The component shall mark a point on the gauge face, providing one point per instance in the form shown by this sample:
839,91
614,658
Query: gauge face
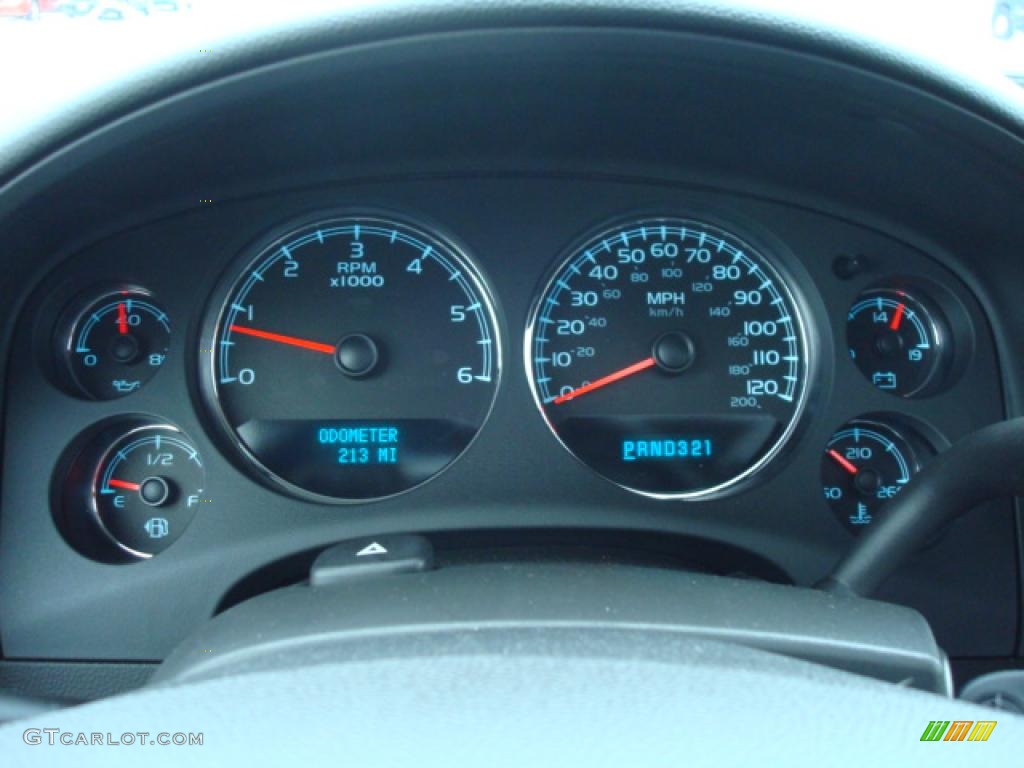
669,356
116,344
354,358
866,463
896,341
147,484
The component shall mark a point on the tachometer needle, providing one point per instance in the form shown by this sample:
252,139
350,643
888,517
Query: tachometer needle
842,462
123,485
897,317
122,318
604,381
327,349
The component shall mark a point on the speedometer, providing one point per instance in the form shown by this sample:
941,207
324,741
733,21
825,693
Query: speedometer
670,356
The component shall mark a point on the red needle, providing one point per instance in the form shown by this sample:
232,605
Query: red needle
125,485
611,378
122,318
842,462
327,349
896,318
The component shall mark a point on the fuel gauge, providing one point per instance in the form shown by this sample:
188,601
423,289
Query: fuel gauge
134,488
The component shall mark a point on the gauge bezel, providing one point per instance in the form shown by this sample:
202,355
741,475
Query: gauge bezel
256,250
777,265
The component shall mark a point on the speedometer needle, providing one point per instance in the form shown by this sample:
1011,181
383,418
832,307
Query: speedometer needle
604,381
843,462
327,349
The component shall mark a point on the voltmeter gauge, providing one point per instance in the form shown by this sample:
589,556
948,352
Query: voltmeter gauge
866,463
135,487
112,344
898,340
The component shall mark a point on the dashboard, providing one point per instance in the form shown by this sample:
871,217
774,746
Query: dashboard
261,410
716,325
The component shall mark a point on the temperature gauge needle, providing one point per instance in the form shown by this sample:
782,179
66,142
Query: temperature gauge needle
327,349
122,319
842,462
123,485
604,381
897,317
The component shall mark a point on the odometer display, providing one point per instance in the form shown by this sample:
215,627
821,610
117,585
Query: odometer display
669,356
353,358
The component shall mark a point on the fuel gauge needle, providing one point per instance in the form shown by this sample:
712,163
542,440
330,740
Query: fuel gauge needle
124,485
842,462
604,381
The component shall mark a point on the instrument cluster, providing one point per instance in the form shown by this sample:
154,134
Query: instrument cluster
199,397
349,356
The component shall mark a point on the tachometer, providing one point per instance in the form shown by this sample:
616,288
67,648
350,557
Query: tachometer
670,356
353,358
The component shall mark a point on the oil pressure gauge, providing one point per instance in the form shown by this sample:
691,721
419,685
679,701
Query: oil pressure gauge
113,343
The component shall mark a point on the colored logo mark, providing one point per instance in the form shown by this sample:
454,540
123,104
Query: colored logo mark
958,730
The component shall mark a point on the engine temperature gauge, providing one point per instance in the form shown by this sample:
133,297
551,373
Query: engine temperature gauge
866,463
